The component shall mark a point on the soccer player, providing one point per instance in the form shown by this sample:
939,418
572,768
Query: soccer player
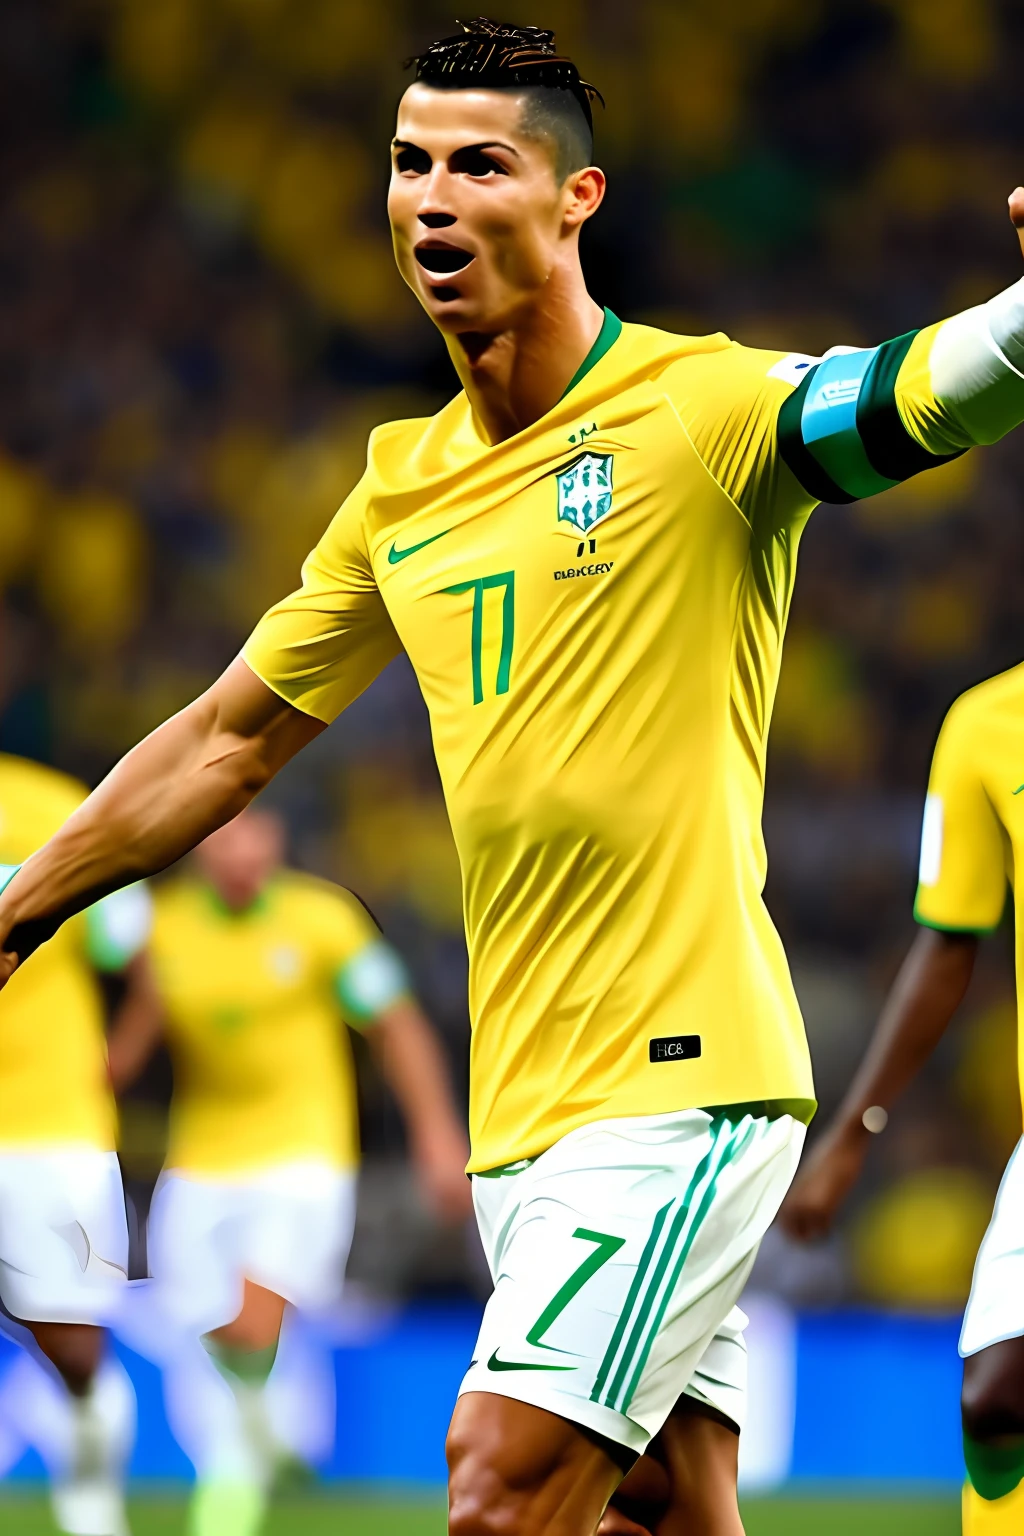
972,844
588,556
255,967
63,1233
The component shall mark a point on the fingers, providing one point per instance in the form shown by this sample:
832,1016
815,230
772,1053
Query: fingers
1016,205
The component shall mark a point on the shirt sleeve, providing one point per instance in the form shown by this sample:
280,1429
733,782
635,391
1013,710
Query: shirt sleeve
324,644
372,980
865,419
962,878
118,927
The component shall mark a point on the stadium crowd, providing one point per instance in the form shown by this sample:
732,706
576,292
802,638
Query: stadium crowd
200,318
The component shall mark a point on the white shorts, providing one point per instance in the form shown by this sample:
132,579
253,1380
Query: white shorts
995,1310
618,1256
287,1228
63,1234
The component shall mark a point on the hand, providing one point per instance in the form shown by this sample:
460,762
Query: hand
823,1183
1017,214
440,1160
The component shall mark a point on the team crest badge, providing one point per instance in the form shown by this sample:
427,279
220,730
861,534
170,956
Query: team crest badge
585,491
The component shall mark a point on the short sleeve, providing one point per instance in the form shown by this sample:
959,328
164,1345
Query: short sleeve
324,644
118,927
372,980
730,403
962,877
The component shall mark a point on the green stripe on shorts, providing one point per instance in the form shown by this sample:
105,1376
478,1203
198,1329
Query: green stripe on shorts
721,1131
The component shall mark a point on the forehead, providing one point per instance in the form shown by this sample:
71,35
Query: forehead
446,120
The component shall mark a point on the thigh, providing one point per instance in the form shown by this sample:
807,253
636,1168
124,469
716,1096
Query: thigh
993,1391
63,1235
518,1468
995,1309
618,1256
194,1231
719,1380
297,1233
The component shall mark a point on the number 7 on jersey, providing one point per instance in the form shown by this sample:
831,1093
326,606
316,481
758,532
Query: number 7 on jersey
482,584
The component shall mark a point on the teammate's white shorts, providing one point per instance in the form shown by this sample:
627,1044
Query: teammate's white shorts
618,1256
63,1233
995,1310
287,1228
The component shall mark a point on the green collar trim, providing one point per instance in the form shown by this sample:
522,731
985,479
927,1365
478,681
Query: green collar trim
235,914
607,336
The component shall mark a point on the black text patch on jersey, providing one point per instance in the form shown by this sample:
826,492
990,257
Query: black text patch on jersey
675,1048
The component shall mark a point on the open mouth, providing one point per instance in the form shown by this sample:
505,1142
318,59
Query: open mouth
441,258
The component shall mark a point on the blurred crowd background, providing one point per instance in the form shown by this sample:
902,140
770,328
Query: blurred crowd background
200,320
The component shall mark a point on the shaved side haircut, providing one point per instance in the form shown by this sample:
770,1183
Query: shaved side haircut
494,56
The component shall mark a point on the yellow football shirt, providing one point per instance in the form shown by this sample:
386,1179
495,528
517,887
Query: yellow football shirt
254,1004
972,840
53,1076
595,611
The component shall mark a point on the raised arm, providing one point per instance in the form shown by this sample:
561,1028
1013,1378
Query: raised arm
184,780
924,997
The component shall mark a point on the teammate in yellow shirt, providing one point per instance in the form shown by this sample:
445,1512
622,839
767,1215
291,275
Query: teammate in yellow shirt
256,967
63,1233
972,847
588,556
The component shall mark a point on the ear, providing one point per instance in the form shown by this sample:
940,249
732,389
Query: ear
584,193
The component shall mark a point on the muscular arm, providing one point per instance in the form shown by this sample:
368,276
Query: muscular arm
187,778
412,1063
925,995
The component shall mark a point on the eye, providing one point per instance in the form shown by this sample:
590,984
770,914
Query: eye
410,161
478,163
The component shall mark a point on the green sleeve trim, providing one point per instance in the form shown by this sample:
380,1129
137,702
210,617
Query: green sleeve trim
370,982
892,451
975,928
7,874
607,336
118,927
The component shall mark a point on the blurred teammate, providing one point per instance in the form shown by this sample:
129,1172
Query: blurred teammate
255,967
588,556
971,845
63,1233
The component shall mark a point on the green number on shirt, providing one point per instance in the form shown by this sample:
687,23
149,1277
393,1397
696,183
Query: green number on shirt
482,584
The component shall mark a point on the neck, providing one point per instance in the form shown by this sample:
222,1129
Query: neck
514,376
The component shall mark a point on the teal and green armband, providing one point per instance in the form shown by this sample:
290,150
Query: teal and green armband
841,433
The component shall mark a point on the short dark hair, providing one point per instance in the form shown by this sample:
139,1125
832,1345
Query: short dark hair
495,55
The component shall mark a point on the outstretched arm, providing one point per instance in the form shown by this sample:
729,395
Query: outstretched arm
924,997
187,778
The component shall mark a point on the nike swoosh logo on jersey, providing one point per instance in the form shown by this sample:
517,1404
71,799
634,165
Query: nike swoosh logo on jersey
494,1364
1016,792
395,554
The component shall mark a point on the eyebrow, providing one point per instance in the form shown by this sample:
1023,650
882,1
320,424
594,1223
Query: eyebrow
487,144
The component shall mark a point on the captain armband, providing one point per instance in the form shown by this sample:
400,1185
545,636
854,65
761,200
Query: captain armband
841,433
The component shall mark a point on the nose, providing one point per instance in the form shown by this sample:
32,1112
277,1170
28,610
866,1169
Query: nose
436,220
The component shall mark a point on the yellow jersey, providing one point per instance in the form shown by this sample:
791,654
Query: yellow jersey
595,609
255,1003
53,1070
972,839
